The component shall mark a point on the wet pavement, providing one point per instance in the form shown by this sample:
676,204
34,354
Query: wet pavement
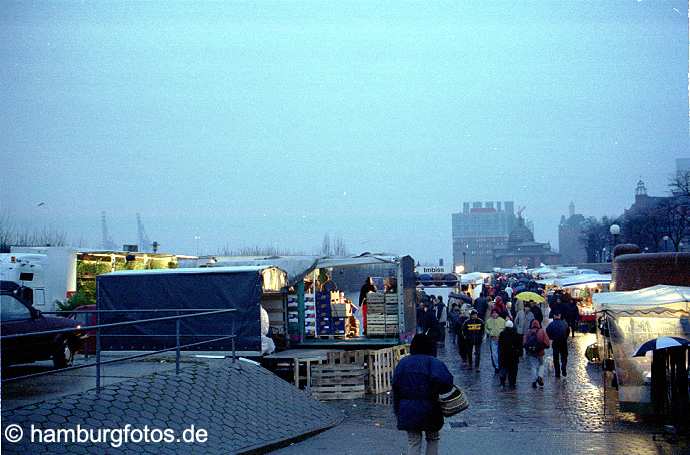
575,414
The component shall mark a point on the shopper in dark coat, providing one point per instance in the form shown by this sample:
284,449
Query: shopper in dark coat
473,331
572,315
538,315
509,352
481,305
557,331
417,382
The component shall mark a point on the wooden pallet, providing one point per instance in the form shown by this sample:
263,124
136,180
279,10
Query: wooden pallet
338,382
382,363
358,357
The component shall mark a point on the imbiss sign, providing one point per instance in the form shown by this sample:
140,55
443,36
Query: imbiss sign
428,269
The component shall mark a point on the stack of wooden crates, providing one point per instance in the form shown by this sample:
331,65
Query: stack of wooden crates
351,374
382,314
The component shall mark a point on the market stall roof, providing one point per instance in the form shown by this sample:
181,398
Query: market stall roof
578,280
660,297
274,278
473,277
297,267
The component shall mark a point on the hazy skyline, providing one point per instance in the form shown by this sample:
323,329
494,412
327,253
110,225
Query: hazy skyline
272,123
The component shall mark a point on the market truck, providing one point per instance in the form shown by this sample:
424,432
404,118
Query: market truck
48,274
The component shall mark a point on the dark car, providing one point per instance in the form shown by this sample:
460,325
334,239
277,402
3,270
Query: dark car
17,315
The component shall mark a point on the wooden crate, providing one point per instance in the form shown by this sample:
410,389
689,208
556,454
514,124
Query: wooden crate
338,382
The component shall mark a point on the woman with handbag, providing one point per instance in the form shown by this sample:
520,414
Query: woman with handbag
417,382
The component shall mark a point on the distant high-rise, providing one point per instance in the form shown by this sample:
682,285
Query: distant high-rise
478,230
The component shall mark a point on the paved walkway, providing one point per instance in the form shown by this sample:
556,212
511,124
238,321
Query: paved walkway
240,406
572,415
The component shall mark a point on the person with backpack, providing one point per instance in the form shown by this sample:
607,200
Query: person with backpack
509,352
558,332
535,341
418,380
473,329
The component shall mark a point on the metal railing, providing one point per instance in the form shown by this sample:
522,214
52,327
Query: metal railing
98,327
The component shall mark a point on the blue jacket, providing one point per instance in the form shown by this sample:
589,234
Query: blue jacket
417,382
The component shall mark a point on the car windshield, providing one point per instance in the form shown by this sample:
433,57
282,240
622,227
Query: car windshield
12,309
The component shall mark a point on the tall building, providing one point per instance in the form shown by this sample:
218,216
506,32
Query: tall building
570,231
478,230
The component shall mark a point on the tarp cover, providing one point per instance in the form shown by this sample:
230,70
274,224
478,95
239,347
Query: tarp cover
199,288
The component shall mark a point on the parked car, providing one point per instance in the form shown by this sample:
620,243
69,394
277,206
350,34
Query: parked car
17,315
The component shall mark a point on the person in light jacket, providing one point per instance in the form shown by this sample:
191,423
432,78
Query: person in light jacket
417,382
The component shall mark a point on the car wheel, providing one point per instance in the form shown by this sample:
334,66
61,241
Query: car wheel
64,354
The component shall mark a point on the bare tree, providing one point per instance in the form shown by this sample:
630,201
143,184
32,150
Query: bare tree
680,184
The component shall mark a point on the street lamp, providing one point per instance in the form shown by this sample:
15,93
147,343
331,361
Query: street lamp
665,239
459,269
615,231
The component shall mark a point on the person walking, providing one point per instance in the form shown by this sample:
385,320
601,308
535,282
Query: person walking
442,318
572,315
453,319
536,311
418,380
429,322
473,330
462,341
509,352
535,341
494,327
558,332
481,305
529,317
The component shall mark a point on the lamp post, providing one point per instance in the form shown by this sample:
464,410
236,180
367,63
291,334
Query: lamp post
615,231
665,239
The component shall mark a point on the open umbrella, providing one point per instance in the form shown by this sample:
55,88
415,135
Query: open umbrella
533,296
660,343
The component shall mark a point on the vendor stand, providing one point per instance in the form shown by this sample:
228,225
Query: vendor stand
629,319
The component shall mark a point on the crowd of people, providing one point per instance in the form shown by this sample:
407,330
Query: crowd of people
514,328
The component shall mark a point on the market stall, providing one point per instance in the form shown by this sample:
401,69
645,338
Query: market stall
322,305
632,318
582,287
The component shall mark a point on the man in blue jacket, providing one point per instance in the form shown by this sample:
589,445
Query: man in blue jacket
417,382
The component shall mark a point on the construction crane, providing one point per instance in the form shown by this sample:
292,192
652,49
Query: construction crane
108,244
144,242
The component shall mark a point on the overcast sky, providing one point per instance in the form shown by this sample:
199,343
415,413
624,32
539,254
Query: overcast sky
272,123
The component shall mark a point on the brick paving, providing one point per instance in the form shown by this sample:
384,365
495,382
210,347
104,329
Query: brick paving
241,406
572,415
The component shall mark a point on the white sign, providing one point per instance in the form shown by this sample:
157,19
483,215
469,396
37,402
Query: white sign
426,269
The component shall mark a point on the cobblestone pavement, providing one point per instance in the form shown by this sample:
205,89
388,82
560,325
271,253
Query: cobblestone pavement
241,406
573,415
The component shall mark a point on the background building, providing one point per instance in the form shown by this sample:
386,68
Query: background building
522,250
478,230
570,234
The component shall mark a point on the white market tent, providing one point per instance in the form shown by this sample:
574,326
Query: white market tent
653,299
474,277
583,280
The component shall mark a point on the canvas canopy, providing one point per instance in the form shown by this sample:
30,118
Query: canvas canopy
583,279
298,267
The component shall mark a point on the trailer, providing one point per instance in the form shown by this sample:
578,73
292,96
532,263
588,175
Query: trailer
48,274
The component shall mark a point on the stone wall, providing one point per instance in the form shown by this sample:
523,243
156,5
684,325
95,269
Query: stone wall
637,271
